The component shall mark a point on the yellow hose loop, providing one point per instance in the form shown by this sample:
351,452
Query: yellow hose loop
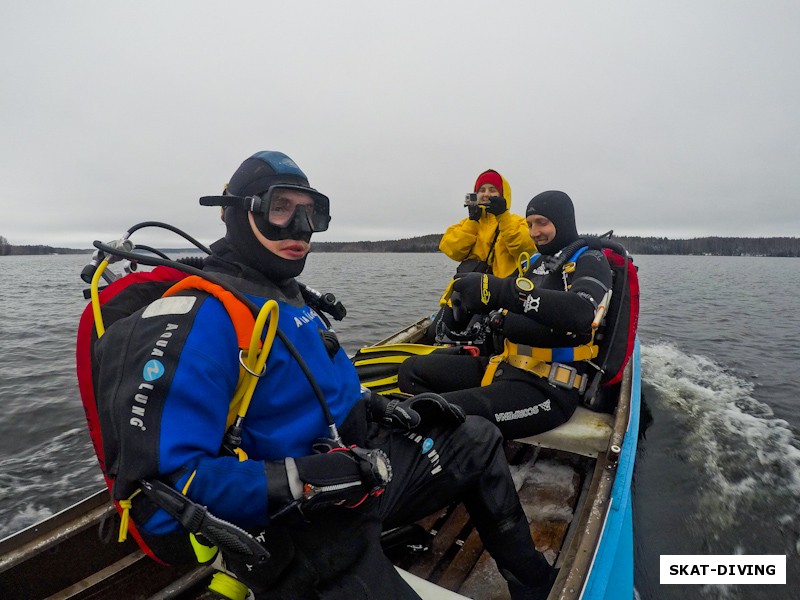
268,312
522,263
256,359
98,316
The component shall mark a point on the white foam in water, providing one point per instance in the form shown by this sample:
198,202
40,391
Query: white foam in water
25,516
743,448
28,481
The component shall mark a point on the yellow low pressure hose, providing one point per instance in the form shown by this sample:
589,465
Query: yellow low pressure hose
523,261
255,361
94,288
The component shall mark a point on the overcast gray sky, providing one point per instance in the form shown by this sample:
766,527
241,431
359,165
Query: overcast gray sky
676,118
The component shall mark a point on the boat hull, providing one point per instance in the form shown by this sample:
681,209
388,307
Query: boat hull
589,536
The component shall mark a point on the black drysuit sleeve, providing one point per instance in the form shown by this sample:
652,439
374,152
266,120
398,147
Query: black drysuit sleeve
543,316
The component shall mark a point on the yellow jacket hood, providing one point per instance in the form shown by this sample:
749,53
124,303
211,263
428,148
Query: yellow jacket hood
470,239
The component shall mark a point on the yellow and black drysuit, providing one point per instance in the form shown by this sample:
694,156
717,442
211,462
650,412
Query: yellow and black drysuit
534,384
496,239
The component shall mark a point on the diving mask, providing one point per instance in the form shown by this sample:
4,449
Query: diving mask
286,211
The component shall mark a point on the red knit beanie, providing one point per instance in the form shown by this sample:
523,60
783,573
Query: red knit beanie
492,177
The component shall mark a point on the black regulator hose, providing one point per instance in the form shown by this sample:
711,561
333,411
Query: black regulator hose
171,228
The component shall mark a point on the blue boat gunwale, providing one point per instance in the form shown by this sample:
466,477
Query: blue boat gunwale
611,569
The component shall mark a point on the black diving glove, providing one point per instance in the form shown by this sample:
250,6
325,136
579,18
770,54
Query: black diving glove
423,410
343,477
480,293
497,206
474,212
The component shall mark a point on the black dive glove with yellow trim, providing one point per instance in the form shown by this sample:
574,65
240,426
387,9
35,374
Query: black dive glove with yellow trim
481,293
423,410
342,477
476,293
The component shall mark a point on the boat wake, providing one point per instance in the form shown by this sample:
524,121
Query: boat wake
39,487
751,459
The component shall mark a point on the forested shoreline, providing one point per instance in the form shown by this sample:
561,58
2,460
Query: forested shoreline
711,246
7,249
702,246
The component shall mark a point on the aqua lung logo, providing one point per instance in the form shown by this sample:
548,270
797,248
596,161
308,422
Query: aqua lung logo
138,408
153,370
427,450
163,340
305,318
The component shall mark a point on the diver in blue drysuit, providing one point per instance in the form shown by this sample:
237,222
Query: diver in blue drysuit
174,365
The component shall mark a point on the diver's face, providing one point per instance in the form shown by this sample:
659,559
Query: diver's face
542,229
284,208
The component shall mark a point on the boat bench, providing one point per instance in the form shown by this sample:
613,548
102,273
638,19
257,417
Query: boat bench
586,433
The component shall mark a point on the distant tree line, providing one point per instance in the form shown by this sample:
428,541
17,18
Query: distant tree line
713,246
7,249
423,243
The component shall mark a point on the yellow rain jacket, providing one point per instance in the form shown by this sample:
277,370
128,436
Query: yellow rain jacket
472,239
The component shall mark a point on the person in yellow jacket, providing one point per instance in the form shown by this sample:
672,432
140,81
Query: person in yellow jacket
490,236
490,240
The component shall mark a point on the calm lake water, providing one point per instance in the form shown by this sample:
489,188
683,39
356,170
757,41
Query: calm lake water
718,470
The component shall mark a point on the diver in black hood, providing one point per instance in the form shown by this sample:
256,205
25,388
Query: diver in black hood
320,466
551,219
544,316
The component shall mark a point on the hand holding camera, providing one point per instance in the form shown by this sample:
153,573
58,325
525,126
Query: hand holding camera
474,206
495,205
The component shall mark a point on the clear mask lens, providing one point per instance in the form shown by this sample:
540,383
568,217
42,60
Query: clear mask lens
284,204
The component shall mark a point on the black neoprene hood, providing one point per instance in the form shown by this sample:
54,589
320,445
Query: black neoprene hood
262,170
556,206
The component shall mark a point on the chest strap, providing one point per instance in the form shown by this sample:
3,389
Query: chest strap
566,354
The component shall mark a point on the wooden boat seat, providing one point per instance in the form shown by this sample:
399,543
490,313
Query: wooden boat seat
586,433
